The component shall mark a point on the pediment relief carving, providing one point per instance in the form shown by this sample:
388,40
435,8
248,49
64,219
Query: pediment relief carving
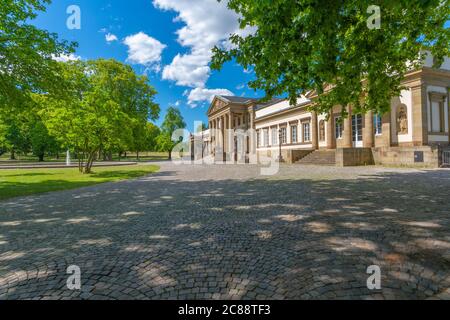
218,104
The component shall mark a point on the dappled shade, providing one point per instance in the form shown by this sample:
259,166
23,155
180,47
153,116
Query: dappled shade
307,233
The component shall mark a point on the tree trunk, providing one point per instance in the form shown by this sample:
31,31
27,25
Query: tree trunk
13,155
137,155
41,157
89,163
170,155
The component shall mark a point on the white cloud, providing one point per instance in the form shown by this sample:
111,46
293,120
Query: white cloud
144,50
66,58
207,23
201,95
188,70
111,37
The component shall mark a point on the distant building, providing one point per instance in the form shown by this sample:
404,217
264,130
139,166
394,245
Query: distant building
414,132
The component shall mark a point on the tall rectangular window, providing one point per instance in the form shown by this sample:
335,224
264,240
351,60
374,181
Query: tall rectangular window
258,138
283,136
266,137
378,124
437,112
294,134
339,127
437,117
274,136
307,132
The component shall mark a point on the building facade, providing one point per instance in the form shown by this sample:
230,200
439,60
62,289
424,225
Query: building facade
414,132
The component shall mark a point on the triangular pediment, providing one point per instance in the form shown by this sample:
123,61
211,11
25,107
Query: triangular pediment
217,104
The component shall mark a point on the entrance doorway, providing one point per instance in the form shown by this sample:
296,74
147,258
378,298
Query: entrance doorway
357,132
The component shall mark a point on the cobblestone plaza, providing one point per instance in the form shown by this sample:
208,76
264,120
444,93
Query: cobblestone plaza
226,232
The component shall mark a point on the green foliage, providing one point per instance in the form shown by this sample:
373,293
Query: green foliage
144,138
303,45
14,135
41,141
172,122
106,102
151,134
26,54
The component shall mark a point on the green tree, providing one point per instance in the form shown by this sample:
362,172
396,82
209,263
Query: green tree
144,138
41,141
151,134
303,45
27,54
201,127
106,101
14,134
172,122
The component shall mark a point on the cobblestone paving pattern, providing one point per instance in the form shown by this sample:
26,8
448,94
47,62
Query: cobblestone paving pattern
226,232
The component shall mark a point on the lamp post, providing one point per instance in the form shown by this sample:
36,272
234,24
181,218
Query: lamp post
280,140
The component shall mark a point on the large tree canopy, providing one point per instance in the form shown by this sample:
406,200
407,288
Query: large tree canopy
303,45
27,53
107,101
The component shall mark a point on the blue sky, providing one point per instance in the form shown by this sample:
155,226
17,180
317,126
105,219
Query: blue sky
169,40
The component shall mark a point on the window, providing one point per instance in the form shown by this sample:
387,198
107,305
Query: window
274,136
437,111
258,138
294,134
378,125
339,127
283,136
266,137
306,132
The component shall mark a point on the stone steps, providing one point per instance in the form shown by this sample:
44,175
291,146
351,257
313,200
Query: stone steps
320,157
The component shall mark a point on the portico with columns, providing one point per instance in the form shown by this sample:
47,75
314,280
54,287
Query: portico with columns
414,131
228,116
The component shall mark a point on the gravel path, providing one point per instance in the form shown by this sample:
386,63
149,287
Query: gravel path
226,232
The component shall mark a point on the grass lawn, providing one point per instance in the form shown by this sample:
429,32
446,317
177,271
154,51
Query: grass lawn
143,156
19,182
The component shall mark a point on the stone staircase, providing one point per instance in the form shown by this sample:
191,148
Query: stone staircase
320,157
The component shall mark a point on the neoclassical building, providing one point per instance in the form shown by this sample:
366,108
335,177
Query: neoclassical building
415,131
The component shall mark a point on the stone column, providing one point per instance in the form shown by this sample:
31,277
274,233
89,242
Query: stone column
300,136
331,134
288,133
222,136
368,131
419,115
314,131
386,127
252,118
348,138
230,137
252,135
448,113
216,135
211,136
